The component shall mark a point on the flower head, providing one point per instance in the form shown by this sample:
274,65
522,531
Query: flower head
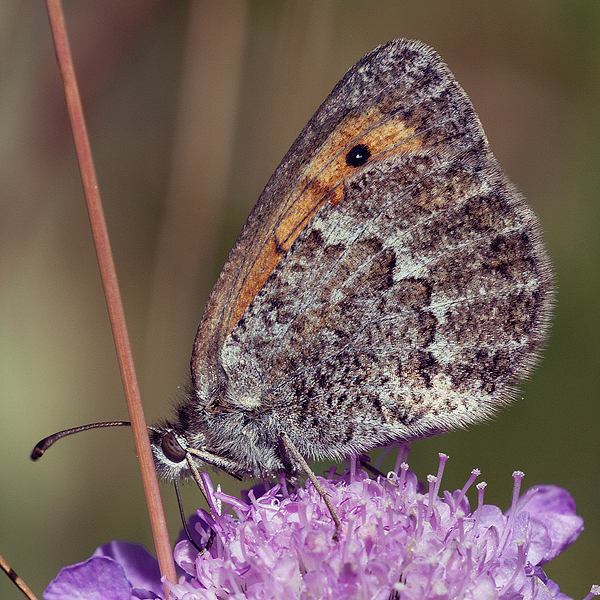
399,540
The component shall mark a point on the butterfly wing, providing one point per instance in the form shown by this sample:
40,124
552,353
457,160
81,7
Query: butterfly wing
390,282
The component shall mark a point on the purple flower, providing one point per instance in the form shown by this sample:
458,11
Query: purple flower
116,571
398,541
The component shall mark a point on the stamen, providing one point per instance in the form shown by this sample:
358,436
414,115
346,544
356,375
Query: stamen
403,451
432,480
460,517
403,470
331,473
239,506
480,491
441,467
518,478
475,473
283,482
210,490
382,456
595,591
419,529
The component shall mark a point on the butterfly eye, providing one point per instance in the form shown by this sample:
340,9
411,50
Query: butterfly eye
172,448
358,155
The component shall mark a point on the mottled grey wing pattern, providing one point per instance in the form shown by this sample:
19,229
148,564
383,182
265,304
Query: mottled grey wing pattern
388,81
412,299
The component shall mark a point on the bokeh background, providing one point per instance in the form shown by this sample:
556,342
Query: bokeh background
191,105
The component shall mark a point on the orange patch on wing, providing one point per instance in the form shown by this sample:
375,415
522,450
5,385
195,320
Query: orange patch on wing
322,181
267,261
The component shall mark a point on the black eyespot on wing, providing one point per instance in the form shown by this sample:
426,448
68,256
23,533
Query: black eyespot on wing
172,448
358,155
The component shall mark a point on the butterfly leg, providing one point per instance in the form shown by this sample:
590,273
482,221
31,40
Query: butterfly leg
196,476
291,448
230,467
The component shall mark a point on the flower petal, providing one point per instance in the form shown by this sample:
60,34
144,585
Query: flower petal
554,508
140,567
98,578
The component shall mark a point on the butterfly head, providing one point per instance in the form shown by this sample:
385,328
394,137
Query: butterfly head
170,450
178,444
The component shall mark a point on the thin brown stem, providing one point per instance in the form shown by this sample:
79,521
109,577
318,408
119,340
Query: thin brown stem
111,288
17,580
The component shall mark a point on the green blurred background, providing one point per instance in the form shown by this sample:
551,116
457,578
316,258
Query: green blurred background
191,105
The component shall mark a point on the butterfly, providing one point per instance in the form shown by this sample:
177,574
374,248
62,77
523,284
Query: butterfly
390,284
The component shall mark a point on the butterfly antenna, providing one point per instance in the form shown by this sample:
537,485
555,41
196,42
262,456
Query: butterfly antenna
44,444
184,523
